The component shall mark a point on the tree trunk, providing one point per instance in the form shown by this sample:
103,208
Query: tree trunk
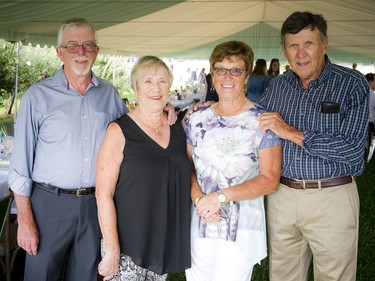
10,104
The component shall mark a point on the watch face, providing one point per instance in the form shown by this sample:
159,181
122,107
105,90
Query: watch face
221,198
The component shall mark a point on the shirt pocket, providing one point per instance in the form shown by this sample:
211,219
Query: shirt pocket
329,123
102,119
104,116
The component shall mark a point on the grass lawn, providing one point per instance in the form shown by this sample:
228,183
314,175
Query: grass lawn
366,248
366,252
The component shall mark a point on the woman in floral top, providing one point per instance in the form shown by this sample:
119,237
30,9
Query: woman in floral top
235,164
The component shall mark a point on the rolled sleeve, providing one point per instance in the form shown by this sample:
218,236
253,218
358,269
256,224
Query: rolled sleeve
19,184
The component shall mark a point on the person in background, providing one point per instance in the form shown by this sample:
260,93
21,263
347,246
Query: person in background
43,76
234,166
143,185
371,81
60,125
211,94
320,110
354,66
274,69
370,77
258,81
202,78
287,68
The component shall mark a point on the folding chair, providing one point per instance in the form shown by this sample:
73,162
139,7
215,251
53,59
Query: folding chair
8,236
5,204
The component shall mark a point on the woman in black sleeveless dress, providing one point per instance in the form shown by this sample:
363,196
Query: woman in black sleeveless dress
143,185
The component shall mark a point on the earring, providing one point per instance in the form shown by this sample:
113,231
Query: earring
212,89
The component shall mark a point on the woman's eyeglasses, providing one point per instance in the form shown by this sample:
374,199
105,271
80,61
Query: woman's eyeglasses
73,48
235,71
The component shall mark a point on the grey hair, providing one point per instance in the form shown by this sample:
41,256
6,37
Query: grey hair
147,62
74,22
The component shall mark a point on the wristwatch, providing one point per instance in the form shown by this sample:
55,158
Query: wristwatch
221,198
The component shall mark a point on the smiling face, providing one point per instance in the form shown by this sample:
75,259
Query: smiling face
372,85
152,88
77,64
275,66
229,86
305,52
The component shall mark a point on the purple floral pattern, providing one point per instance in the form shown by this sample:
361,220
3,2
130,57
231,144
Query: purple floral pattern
225,153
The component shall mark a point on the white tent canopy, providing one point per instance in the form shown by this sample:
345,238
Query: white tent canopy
190,29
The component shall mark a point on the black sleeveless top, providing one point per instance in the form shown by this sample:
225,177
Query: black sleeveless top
152,200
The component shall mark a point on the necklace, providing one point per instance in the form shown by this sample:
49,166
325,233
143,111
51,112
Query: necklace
234,112
155,129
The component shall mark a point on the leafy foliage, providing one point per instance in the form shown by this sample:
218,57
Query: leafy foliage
36,62
116,70
31,61
7,70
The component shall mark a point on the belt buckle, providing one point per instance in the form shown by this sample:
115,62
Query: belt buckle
80,191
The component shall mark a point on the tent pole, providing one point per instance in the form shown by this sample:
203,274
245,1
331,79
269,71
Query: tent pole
16,85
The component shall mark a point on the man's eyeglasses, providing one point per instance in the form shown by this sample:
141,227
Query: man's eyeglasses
73,48
235,71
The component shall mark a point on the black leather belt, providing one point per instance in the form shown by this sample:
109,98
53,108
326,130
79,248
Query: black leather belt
300,184
77,192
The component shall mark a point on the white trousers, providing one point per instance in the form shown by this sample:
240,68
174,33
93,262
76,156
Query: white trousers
217,260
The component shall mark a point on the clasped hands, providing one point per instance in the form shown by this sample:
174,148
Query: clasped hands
208,208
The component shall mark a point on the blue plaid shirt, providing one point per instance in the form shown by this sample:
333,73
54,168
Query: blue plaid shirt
334,142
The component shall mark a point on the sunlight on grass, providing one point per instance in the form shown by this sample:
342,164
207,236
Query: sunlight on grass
366,251
366,248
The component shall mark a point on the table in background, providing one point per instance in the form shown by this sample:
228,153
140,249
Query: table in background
4,168
186,101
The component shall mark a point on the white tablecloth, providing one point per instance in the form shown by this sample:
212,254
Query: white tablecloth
185,101
4,166
3,180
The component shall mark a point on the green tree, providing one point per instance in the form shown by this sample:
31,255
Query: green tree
116,69
34,62
7,71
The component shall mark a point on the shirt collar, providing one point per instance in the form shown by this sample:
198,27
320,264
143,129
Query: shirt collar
324,75
60,79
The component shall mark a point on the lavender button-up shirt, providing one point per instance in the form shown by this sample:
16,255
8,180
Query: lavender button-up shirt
59,131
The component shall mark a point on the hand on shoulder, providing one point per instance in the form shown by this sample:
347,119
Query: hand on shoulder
197,106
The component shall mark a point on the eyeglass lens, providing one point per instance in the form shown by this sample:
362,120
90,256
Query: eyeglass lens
73,48
235,71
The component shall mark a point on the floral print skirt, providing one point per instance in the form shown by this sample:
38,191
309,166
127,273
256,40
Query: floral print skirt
129,271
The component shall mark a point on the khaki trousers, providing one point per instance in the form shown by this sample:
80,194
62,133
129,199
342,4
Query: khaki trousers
314,223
